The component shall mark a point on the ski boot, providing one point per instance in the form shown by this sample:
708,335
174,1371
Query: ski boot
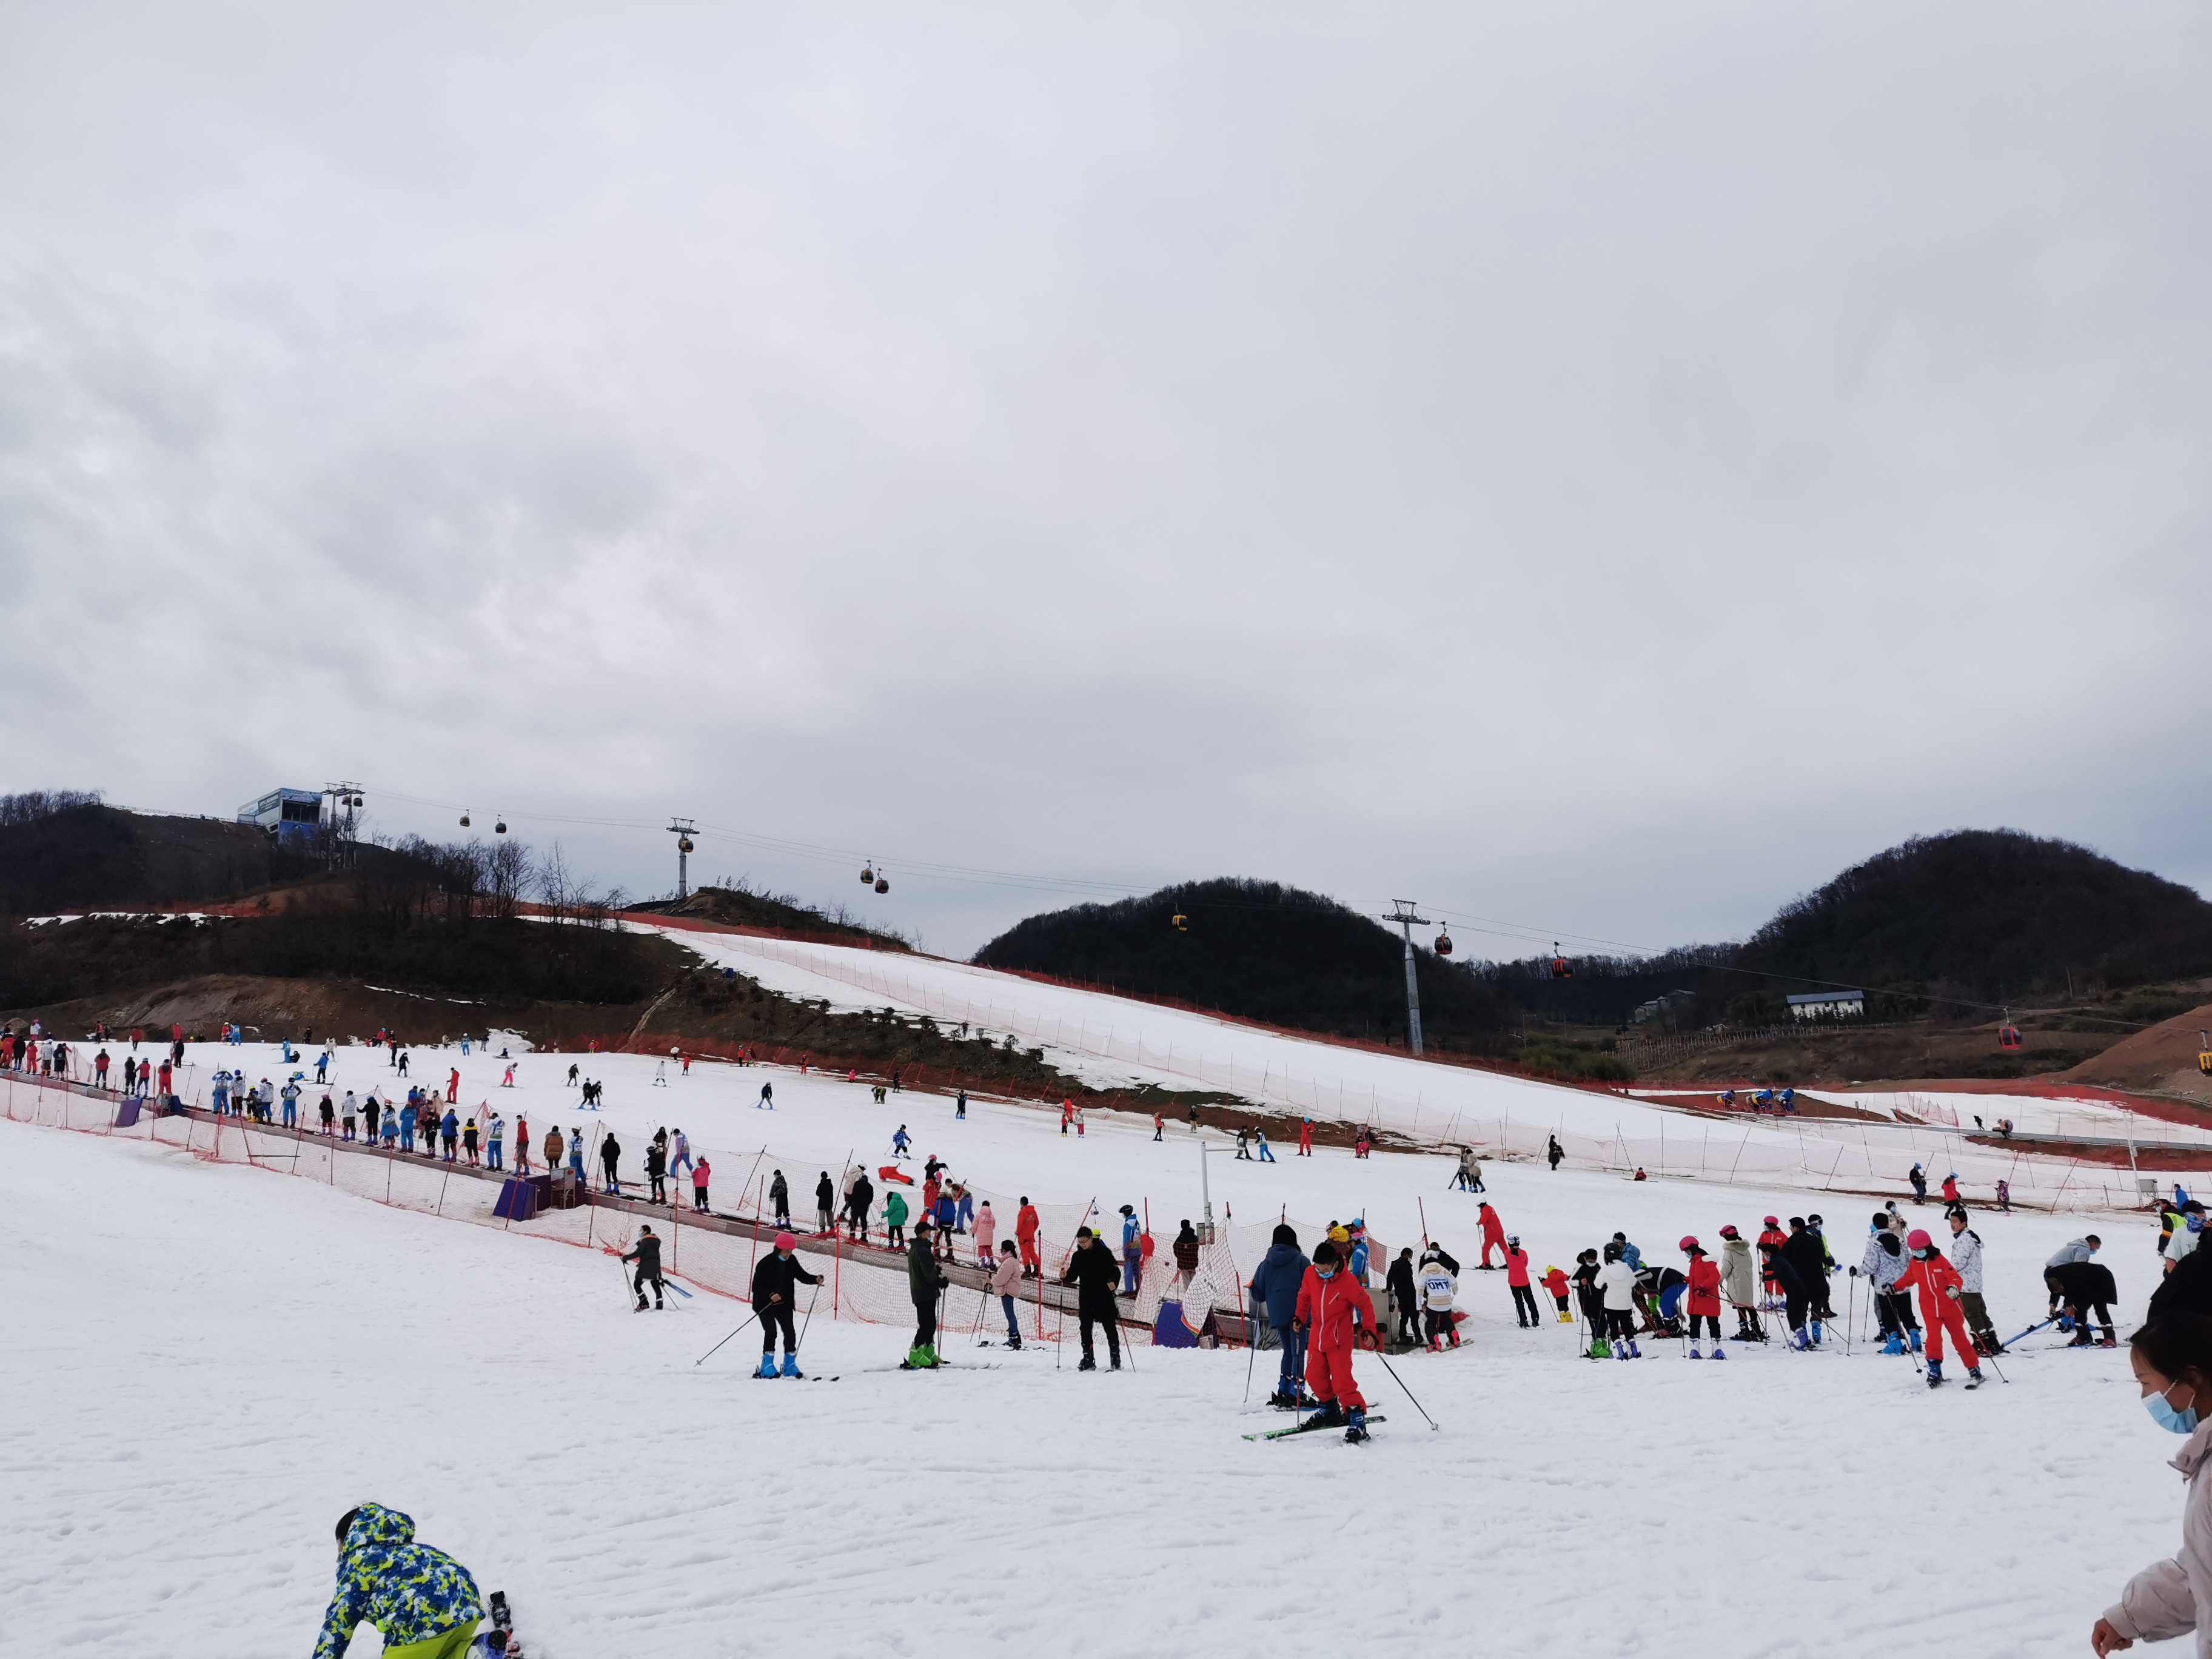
1436,1345
1566,1319
1934,1373
2108,1340
1634,1353
1694,1354
1717,1353
1816,1334
642,1305
2066,1322
1014,1342
1331,1416
790,1366
1974,1377
1894,1344
767,1365
2082,1338
1597,1348
1282,1400
1355,1426
919,1359
1799,1340
1452,1339
1916,1347
1619,1349
1086,1363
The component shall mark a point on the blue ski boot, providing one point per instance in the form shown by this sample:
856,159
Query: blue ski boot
767,1365
1816,1332
790,1366
1934,1373
1916,1342
1355,1426
1694,1354
1895,1344
1717,1353
1634,1353
1799,1340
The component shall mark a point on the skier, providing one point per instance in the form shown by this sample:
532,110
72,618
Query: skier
1950,1189
449,1132
1966,1258
453,1087
1883,1264
1796,1304
1937,1281
1131,1228
2087,1285
1159,1127
469,1141
1259,1139
610,1154
1493,1234
1026,1231
495,1142
1404,1300
1740,1283
1802,1251
646,1253
779,1195
776,1283
424,1601
1337,1316
1703,1297
900,1142
681,1160
857,1203
1005,1278
1616,1281
700,1173
987,1233
925,1281
1092,1271
825,1199
1517,1280
895,1221
1552,1153
1439,1290
656,1170
1305,1137
576,1153
406,1121
1469,1178
1918,1177
2077,1249
1274,1291
1770,1234
1555,1282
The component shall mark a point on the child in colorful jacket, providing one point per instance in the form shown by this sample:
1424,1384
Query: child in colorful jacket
1555,1281
423,1600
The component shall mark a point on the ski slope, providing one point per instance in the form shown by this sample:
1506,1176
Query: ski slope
211,1362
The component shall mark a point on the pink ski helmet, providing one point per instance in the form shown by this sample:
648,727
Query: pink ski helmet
1689,1242
1918,1239
785,1241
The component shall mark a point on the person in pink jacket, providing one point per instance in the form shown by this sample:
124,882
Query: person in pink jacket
986,1230
1005,1279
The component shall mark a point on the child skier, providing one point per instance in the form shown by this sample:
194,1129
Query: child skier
1937,1281
1438,1291
1005,1281
423,1600
1517,1280
1740,1283
1556,1282
1616,1282
700,1172
1337,1316
1703,1299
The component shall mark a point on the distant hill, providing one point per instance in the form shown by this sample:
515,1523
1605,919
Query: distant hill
1991,914
1261,951
742,906
85,856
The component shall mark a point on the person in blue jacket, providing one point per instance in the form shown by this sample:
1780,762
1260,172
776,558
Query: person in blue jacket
423,1600
1359,1250
1132,1251
1275,1284
964,1219
407,1122
449,1131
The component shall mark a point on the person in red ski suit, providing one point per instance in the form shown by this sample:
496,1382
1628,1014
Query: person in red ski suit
1950,1189
1938,1283
1771,1234
453,1089
1493,1233
1305,1138
1702,1299
1025,1231
1336,1314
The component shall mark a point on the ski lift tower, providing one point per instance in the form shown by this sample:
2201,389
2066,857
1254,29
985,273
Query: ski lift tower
682,829
1405,915
344,798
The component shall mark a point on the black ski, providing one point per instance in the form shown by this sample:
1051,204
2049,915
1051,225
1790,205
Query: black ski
1318,1422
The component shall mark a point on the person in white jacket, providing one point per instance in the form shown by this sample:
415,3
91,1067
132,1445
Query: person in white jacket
1006,1283
1967,1257
2172,1361
1617,1279
2188,1232
1437,1289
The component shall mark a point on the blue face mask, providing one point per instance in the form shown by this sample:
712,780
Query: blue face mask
1325,1272
2172,1421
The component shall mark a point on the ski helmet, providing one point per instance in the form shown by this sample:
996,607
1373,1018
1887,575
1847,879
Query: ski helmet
1689,1243
1773,1221
1918,1239
785,1241
1730,1233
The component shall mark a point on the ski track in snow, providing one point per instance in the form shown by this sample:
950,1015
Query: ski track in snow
211,1363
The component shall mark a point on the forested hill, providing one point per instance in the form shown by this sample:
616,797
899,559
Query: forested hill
1261,951
1991,914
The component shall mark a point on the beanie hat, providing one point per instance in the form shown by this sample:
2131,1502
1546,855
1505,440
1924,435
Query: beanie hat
1338,1235
785,1241
1286,1234
1324,1253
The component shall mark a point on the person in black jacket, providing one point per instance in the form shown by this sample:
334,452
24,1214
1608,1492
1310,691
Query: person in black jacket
2086,1285
779,1194
1404,1298
610,1155
924,1282
1782,1276
825,1204
1097,1276
656,1170
646,1253
776,1283
857,1204
1803,1252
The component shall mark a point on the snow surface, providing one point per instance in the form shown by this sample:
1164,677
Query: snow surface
211,1363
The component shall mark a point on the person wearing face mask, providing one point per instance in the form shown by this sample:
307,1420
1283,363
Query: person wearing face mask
2173,1361
1937,1281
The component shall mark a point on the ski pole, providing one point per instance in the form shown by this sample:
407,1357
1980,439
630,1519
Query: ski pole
811,1301
1251,1349
717,1348
1400,1382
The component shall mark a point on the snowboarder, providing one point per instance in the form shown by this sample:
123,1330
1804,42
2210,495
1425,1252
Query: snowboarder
776,1283
1337,1316
1275,1289
924,1282
1092,1269
1004,1277
646,1253
424,1601
1937,1281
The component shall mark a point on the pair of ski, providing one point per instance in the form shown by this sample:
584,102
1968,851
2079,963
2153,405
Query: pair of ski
1317,1421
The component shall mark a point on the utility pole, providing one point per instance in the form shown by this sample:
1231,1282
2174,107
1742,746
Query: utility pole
344,798
682,829
1206,1188
1405,915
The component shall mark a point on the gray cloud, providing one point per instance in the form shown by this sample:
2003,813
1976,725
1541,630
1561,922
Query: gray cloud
1606,470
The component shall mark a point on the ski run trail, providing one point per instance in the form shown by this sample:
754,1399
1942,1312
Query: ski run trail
208,1363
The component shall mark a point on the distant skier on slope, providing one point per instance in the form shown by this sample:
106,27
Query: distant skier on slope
1493,1235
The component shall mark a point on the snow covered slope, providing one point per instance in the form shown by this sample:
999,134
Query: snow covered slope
208,1364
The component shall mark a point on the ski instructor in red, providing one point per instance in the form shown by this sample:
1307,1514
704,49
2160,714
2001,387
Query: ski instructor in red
1336,1314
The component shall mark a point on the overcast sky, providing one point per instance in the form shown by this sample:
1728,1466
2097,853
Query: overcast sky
1603,467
